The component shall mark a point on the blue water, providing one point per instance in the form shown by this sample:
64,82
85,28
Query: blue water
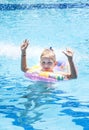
26,105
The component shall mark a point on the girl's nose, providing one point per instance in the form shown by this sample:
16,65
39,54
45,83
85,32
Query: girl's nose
46,65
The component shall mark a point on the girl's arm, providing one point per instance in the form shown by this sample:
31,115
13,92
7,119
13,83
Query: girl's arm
73,73
24,46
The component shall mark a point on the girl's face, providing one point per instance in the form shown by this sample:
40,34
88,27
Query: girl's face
47,64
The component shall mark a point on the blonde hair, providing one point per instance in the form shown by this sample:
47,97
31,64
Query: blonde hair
48,53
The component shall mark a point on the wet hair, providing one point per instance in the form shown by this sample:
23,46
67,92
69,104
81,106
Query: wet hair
48,53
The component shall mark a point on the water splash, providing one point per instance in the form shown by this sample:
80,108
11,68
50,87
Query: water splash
13,51
9,50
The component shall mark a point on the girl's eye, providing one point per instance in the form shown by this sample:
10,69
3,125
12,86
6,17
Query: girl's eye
43,62
50,63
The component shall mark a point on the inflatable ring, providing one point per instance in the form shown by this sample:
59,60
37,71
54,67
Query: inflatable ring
34,74
44,76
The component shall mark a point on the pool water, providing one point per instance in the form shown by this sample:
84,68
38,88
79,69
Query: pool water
28,105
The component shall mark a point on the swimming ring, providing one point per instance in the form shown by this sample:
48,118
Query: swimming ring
44,76
36,75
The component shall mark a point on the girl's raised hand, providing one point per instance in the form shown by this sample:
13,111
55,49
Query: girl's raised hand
69,53
24,45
